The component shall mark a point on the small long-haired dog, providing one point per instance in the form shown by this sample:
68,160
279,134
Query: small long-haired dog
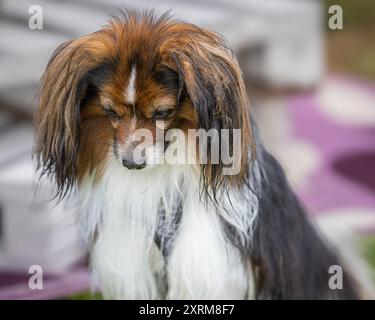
183,230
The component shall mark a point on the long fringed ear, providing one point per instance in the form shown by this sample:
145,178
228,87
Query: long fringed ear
213,82
56,122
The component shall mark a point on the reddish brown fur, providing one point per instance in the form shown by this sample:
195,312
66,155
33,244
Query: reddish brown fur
70,141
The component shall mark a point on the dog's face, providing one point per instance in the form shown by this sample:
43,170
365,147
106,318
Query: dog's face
138,73
133,99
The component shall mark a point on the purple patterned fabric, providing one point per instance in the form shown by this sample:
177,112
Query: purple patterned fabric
346,176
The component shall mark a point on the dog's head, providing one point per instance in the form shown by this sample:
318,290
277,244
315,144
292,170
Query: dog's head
100,90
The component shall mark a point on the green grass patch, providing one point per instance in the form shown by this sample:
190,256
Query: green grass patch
86,296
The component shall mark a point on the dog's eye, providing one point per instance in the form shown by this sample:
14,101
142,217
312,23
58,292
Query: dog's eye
111,113
162,114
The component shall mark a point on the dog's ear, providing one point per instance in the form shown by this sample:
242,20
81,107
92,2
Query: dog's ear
213,81
71,69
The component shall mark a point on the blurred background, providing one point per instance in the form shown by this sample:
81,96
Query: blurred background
312,91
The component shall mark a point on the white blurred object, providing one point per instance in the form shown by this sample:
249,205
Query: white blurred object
299,158
33,230
346,103
289,38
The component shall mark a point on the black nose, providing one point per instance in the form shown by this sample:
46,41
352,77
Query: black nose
131,165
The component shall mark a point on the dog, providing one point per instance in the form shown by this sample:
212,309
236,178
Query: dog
183,230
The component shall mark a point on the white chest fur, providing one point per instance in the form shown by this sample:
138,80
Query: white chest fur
121,210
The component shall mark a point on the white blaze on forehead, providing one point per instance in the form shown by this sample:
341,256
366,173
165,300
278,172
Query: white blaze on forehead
130,89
